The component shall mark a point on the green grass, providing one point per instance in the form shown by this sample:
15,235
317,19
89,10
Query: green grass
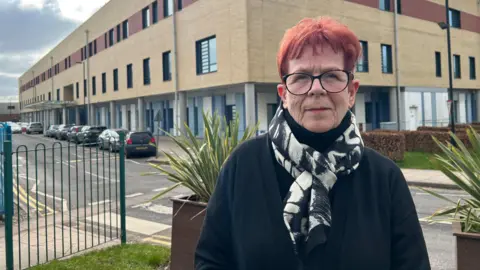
417,160
131,257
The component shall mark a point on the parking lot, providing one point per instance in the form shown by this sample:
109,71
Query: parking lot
53,177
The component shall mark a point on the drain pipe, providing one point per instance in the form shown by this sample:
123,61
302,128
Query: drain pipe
177,109
397,73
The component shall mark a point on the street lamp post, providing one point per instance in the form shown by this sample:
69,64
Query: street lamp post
446,25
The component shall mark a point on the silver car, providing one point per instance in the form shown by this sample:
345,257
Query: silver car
35,127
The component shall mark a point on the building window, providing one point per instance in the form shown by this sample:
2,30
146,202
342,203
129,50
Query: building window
438,64
146,71
145,17
95,46
49,96
206,52
387,66
473,72
384,5
58,94
399,6
362,64
125,29
104,82
77,92
90,49
155,12
111,39
115,79
454,18
180,4
94,85
167,64
129,76
106,40
84,88
167,8
65,62
457,70
119,37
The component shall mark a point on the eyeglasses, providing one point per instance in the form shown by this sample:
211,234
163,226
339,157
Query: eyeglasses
333,81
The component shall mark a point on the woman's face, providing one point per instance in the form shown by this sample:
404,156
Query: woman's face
318,110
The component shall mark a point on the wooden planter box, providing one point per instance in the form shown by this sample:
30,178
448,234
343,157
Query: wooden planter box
468,247
187,222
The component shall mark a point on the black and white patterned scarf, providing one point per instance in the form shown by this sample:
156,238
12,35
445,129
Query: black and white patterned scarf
307,212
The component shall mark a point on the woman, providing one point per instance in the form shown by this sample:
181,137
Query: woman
309,194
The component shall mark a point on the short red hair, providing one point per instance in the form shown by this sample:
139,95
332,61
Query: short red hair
322,31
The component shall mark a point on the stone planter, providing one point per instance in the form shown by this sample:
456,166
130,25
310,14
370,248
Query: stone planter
468,247
187,222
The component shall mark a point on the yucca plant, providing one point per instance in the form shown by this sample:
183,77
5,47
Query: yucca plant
462,166
198,167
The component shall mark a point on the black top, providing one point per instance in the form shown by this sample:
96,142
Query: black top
374,221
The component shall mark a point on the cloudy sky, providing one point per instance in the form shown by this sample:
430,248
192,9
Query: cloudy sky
24,39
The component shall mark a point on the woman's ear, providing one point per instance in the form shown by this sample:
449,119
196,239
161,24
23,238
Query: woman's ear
282,93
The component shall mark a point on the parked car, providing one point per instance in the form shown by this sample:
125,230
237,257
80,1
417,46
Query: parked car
62,132
35,127
89,134
50,132
109,139
72,134
140,142
15,128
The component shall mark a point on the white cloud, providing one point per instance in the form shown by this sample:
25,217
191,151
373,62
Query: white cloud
78,11
31,4
9,75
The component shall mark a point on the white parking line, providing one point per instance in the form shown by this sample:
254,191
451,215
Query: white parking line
100,202
159,189
134,195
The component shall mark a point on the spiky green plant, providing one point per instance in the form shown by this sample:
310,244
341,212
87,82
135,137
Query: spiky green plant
462,166
198,167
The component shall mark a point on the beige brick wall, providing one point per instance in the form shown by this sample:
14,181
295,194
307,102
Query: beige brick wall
418,40
248,35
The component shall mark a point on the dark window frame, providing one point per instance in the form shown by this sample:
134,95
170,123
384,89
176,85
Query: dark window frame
111,37
166,66
145,17
154,12
115,79
119,37
94,85
362,64
104,83
438,64
130,76
473,69
77,92
387,68
147,80
457,66
166,5
454,18
384,5
200,56
125,29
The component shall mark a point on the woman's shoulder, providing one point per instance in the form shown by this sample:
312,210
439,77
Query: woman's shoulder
251,148
379,163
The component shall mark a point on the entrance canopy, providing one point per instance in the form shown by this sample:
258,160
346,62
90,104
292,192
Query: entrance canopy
51,104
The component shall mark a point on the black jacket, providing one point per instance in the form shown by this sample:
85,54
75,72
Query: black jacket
374,221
